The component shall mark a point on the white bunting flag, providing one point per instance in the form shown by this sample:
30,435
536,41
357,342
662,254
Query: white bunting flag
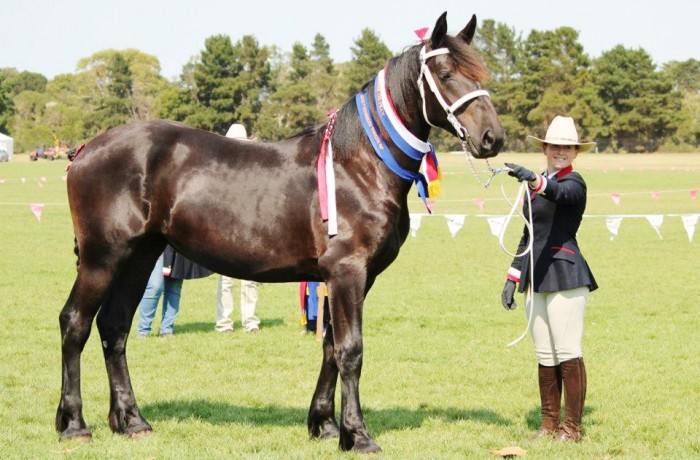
689,222
656,220
455,222
613,224
415,223
496,223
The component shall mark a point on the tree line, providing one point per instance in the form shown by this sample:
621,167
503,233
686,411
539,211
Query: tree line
620,99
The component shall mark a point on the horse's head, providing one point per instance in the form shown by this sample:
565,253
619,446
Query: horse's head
454,99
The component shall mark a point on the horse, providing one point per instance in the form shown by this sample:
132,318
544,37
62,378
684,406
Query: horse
258,210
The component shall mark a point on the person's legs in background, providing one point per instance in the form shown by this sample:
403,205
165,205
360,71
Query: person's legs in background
171,305
224,304
249,299
149,302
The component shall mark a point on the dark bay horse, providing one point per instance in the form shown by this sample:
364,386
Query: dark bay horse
251,210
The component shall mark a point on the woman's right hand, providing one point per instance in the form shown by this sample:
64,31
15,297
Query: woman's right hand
508,294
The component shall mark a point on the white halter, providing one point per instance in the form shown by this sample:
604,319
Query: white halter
449,109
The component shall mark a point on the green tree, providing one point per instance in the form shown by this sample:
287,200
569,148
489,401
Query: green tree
7,107
644,106
553,80
369,54
229,83
685,76
293,106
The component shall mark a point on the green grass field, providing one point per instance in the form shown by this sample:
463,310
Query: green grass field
438,380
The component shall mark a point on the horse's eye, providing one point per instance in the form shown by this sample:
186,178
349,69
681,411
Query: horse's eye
444,75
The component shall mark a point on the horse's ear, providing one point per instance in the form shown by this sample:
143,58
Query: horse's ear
439,31
468,32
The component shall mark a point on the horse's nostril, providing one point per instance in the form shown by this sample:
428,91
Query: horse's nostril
488,139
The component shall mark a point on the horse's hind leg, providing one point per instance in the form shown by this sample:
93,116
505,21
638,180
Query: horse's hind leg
76,321
321,420
113,323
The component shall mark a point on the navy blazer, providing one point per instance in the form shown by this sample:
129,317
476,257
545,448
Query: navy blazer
557,211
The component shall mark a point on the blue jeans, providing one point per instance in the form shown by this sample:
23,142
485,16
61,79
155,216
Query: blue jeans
170,288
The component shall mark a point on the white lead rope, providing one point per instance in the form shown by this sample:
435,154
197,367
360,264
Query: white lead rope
528,250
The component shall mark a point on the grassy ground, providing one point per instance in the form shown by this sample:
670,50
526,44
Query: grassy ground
438,380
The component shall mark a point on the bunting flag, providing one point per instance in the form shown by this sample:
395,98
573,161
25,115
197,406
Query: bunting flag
613,224
415,223
655,195
455,222
694,193
615,197
36,209
496,224
480,203
656,220
689,222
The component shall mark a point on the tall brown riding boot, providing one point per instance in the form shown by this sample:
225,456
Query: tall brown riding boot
550,398
574,375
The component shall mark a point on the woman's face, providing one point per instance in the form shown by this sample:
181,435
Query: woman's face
559,156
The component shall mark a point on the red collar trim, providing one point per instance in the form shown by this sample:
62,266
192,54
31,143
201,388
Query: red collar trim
563,172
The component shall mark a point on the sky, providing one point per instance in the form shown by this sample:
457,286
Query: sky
51,36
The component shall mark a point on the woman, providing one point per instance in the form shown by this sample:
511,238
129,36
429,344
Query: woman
561,279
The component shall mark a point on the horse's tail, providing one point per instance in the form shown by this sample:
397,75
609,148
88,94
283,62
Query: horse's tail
76,251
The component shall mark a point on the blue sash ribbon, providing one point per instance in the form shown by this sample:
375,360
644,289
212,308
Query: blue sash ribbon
382,150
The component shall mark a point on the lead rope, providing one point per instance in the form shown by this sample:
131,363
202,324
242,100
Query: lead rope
527,250
528,224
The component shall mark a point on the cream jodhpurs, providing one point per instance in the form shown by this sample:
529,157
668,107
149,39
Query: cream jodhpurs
224,304
557,324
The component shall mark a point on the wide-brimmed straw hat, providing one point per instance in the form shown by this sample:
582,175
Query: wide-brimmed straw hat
237,131
562,131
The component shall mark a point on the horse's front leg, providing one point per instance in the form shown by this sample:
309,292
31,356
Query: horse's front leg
113,324
346,294
321,420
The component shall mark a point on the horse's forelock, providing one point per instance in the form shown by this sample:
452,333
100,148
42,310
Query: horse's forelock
468,60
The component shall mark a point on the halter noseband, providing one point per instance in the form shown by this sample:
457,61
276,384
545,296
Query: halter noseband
449,109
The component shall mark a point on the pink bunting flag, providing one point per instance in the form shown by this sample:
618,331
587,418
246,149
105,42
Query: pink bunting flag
615,197
694,193
36,209
421,33
656,195
480,203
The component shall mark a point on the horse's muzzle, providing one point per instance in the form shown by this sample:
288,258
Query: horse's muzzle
492,141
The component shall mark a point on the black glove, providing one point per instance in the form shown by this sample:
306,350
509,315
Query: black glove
507,295
522,174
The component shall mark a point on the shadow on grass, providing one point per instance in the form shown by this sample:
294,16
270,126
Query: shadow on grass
198,327
379,421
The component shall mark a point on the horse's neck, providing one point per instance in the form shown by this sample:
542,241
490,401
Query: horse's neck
406,97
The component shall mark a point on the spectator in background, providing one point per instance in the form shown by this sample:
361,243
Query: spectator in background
170,271
224,290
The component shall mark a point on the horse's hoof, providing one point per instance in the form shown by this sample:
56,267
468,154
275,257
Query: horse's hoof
329,432
80,436
367,446
140,434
